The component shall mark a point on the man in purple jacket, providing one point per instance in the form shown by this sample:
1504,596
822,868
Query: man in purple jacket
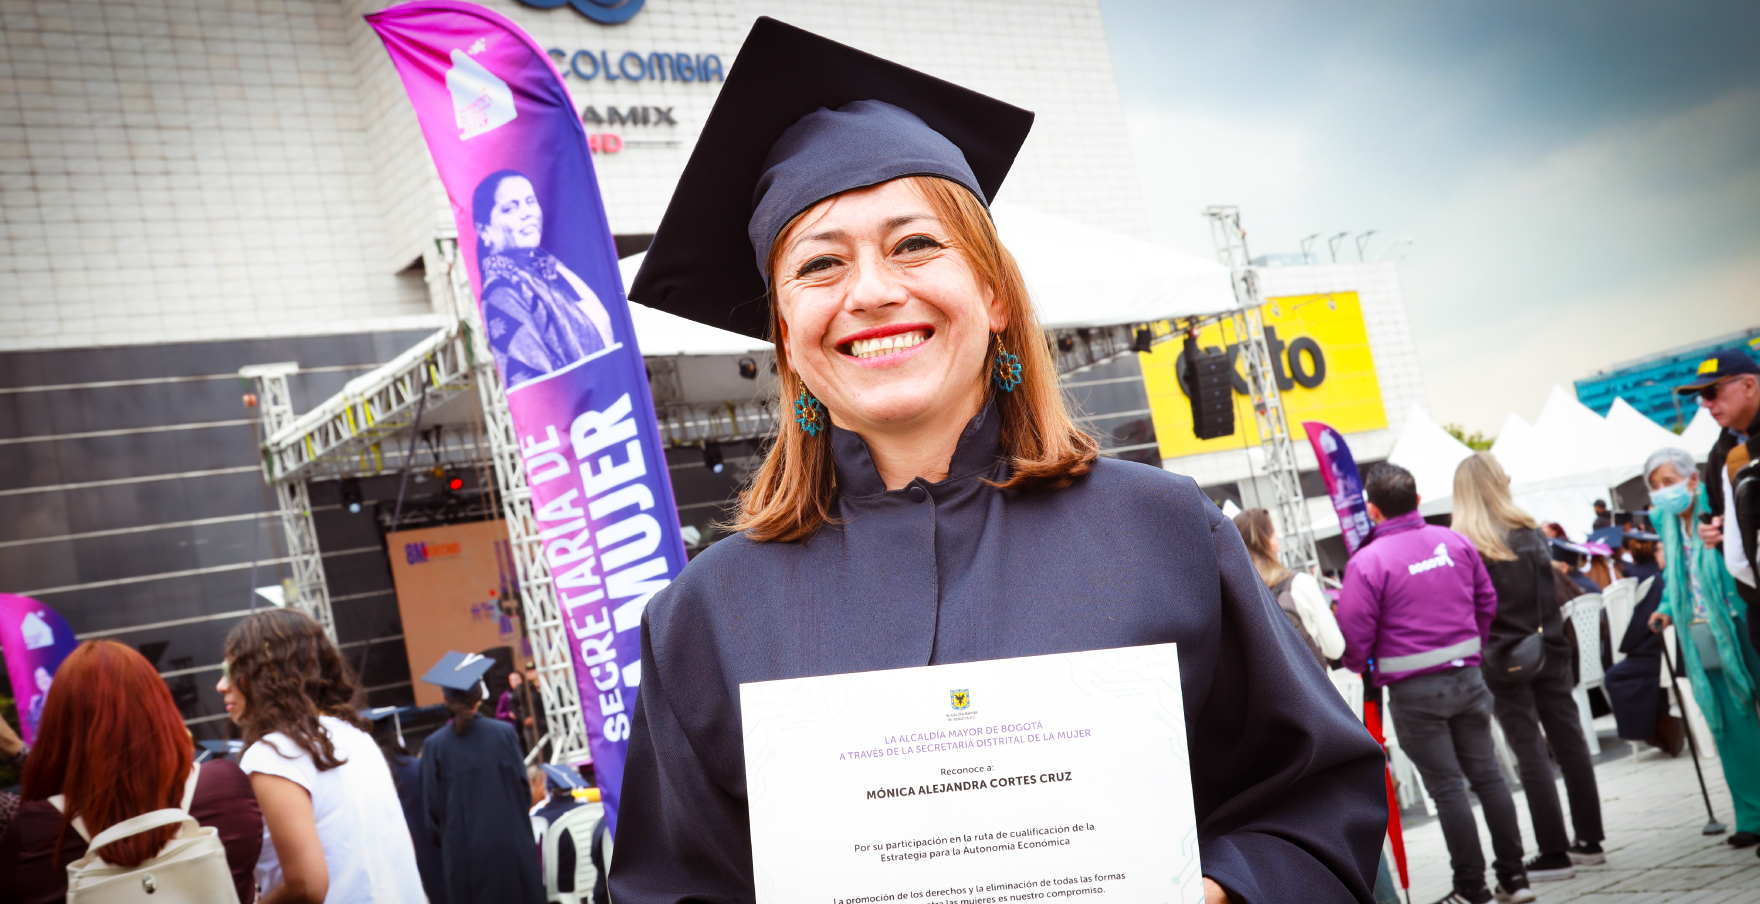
1417,607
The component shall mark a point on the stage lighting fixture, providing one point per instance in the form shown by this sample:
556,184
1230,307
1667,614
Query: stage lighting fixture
712,458
748,368
1145,341
1065,343
456,483
351,494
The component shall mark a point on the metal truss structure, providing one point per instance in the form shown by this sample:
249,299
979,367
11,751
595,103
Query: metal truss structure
346,434
545,628
311,594
1275,441
696,424
358,433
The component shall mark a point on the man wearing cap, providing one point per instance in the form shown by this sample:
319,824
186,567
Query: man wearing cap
1728,386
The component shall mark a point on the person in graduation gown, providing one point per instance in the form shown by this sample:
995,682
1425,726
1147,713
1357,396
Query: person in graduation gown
406,771
931,500
474,790
1634,686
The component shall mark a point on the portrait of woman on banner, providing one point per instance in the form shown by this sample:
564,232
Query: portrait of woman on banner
540,316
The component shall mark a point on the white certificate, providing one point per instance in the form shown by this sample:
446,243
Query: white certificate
1040,778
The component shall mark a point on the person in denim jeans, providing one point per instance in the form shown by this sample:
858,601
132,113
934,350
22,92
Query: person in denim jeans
1417,609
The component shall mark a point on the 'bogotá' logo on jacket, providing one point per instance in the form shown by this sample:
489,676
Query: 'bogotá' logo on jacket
1436,561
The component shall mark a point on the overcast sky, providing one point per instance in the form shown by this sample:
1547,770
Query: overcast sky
1581,180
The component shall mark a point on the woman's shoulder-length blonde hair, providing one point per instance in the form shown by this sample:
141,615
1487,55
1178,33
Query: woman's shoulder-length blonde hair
1483,509
793,493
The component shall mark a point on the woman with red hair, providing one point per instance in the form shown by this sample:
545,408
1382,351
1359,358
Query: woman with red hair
113,746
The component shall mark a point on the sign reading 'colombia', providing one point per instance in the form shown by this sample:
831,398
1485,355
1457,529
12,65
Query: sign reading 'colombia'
631,66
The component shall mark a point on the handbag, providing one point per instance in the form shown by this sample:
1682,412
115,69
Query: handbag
190,867
1522,658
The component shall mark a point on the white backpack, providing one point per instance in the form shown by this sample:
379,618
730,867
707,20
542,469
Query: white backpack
191,866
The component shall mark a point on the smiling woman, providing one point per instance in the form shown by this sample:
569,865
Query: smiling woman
900,296
950,511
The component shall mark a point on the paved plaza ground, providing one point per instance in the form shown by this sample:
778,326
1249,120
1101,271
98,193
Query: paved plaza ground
1655,853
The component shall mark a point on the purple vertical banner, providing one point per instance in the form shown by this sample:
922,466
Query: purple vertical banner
1343,484
34,640
532,231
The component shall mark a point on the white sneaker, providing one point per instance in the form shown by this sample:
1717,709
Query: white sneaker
1519,896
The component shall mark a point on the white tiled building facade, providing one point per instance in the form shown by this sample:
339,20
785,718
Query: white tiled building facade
179,170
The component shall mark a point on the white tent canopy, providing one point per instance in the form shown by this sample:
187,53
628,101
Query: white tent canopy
663,335
1431,454
1558,466
1701,433
1632,430
1079,275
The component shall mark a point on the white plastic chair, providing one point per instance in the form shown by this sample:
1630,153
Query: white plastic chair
1585,615
1350,686
577,823
1619,599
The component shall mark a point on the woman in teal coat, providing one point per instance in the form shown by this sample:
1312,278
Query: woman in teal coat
1700,596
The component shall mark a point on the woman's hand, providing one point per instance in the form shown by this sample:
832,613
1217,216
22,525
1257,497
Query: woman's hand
287,811
1213,893
1658,621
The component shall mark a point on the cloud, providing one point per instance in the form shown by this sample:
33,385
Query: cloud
1582,182
1188,160
1483,369
1632,239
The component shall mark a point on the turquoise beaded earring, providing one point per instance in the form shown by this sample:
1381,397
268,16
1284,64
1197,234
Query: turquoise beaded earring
1005,369
808,412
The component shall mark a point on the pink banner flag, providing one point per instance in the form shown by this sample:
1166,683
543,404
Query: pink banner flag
515,161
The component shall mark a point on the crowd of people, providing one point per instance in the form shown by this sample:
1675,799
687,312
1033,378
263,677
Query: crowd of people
1458,625
313,808
1464,624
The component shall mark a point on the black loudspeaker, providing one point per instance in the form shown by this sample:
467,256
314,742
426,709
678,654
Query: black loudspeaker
1208,384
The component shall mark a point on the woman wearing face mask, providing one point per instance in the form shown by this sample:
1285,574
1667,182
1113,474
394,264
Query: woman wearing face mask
931,500
1699,599
540,316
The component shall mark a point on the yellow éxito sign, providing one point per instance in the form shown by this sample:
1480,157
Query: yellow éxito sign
1324,369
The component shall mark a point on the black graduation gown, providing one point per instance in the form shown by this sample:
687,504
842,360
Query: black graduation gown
474,788
407,770
1287,783
1634,685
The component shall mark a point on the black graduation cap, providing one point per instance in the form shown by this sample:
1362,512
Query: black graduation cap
459,671
790,128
